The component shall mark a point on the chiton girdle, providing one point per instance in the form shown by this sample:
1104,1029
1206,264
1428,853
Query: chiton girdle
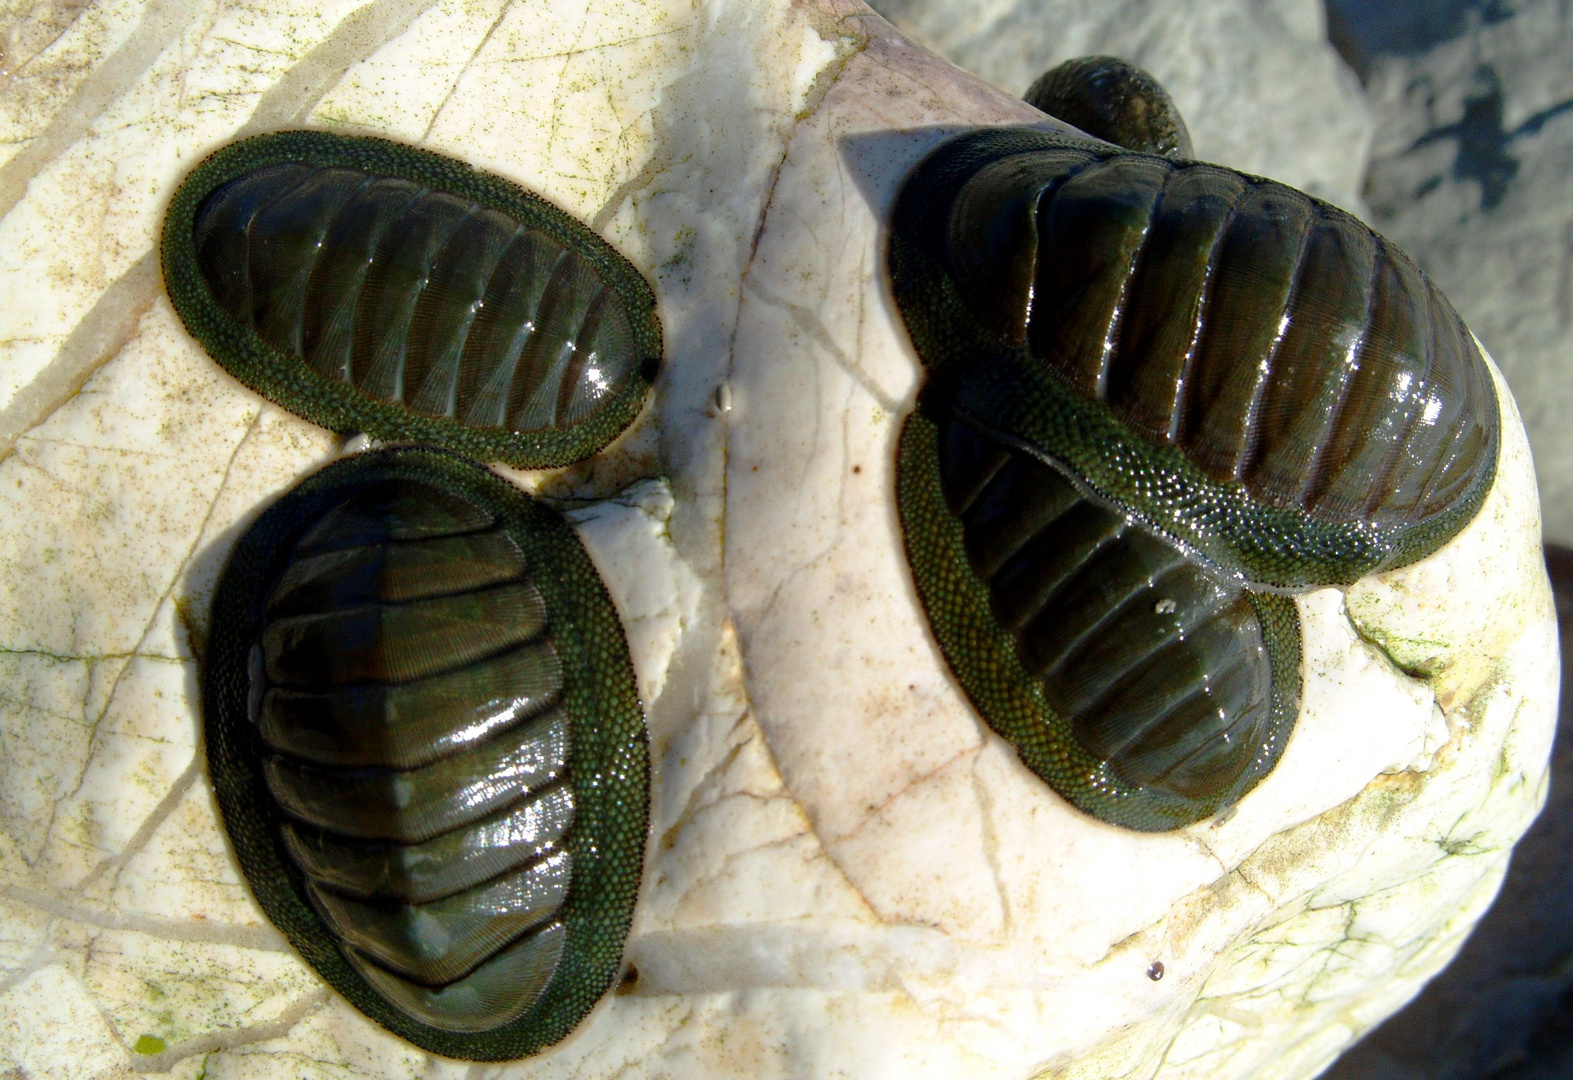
414,282
607,763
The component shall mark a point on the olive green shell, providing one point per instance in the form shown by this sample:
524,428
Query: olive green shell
1251,372
423,727
1115,101
1160,394
1144,690
374,287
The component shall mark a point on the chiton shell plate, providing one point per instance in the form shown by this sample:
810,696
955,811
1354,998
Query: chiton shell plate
1158,395
1252,372
426,742
1146,690
374,287
811,912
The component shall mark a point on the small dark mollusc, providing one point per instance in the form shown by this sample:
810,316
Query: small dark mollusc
426,741
373,287
1250,371
1149,377
1115,101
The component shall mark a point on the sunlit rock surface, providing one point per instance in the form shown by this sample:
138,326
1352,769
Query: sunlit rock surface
847,873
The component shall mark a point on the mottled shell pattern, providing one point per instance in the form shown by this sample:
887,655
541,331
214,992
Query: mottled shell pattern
421,716
372,287
1160,394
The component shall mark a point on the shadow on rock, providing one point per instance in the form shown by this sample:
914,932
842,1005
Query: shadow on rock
1363,32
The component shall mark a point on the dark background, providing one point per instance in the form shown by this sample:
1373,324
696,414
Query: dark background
1364,31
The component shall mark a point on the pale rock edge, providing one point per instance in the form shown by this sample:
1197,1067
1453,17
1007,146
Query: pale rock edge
741,155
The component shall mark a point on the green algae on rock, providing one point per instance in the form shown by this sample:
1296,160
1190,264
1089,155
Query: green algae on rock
373,287
427,745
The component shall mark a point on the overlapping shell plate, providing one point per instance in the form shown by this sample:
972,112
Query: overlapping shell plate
427,745
373,287
1155,676
1149,378
1250,371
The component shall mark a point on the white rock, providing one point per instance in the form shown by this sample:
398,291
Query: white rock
848,873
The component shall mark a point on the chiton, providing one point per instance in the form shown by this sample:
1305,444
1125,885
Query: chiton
1144,688
1160,395
1115,101
374,287
1247,370
427,746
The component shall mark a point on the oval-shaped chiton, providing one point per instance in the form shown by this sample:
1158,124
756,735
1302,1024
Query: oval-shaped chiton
426,742
1145,689
373,287
1250,371
1160,394
1113,100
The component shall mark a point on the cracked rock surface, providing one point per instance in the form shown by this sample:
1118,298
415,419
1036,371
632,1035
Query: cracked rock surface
1502,1008
847,874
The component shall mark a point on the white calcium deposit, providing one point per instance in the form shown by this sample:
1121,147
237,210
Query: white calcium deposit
848,874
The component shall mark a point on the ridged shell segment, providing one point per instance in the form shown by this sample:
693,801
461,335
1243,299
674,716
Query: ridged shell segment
1246,370
407,627
417,297
1142,687
375,287
1160,395
1160,669
427,746
1275,340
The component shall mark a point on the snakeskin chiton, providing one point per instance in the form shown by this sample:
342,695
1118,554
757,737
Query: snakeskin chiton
1160,395
426,742
422,721
373,287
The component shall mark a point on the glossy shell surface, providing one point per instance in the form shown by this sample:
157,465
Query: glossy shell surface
374,287
1167,690
1159,395
427,746
1115,101
1251,372
1146,690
